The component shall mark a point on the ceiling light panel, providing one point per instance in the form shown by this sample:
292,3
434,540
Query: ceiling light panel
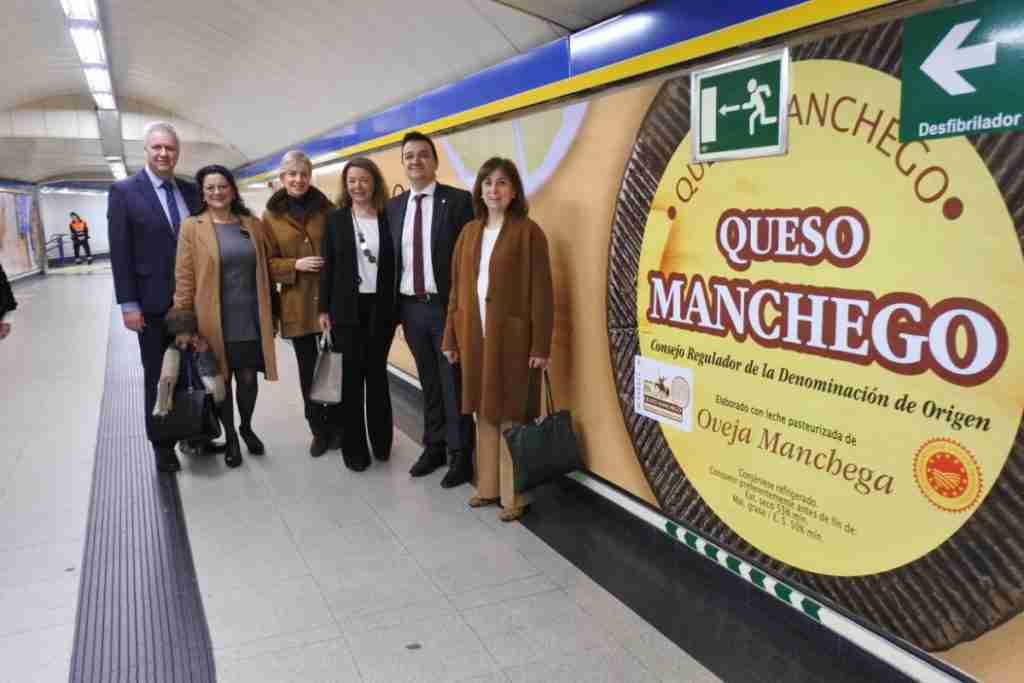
98,78
104,100
118,170
81,10
89,43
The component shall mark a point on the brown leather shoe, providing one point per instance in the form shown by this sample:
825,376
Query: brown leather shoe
481,502
512,514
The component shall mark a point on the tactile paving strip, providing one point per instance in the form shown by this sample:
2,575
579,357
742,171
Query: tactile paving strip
140,614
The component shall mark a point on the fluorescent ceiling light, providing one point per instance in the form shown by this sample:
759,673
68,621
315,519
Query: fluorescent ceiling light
99,79
104,100
84,10
89,43
610,32
118,170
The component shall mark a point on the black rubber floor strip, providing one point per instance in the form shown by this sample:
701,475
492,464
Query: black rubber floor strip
140,614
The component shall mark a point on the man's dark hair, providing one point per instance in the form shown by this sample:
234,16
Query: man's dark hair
414,136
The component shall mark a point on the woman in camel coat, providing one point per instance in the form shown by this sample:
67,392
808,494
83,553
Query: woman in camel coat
295,218
223,244
499,323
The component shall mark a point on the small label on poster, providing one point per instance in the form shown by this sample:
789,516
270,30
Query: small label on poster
664,393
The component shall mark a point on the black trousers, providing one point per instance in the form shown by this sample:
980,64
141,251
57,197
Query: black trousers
321,418
153,341
78,244
443,421
365,392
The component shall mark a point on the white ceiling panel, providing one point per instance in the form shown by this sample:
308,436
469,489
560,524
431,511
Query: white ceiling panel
39,57
244,79
266,75
573,14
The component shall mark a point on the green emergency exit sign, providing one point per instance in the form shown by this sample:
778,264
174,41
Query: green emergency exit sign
962,70
738,110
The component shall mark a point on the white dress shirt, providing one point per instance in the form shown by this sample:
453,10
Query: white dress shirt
161,194
483,280
427,207
370,228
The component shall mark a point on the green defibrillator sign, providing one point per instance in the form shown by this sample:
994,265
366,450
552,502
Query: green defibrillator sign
962,70
738,109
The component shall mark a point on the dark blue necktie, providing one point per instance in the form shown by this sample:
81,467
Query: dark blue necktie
172,206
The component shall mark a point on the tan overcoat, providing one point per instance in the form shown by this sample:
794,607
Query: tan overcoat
519,313
291,241
197,283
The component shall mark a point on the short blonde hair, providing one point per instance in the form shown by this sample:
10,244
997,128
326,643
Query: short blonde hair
293,158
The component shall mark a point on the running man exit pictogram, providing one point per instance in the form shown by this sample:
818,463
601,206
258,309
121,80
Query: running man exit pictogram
738,112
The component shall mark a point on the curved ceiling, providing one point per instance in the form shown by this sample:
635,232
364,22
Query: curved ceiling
259,75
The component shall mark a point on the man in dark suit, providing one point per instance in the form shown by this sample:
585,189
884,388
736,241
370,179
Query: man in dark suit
425,223
144,213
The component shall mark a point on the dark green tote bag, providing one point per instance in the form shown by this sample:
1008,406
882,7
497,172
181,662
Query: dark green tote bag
542,449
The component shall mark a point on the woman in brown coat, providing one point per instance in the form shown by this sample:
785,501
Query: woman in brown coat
499,323
222,293
295,218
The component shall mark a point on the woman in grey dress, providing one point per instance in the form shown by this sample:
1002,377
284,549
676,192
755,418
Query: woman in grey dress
222,282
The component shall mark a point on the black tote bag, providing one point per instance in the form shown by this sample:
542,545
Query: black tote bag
192,417
542,449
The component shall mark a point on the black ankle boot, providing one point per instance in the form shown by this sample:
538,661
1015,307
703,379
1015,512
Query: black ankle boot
252,442
232,453
319,445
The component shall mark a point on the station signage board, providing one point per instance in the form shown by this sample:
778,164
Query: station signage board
962,69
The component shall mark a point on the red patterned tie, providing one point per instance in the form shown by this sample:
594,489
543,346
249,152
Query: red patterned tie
419,286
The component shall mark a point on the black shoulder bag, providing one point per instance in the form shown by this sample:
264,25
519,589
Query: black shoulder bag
545,448
192,417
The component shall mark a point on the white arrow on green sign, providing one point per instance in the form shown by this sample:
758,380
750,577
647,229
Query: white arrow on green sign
962,67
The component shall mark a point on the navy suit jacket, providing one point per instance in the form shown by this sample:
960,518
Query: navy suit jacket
142,243
453,208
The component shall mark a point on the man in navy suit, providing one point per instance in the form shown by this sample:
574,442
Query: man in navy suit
425,223
144,213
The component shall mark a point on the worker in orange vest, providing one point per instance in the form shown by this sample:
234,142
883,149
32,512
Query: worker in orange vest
80,237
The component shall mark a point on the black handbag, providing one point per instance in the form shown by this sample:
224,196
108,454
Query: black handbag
192,417
542,449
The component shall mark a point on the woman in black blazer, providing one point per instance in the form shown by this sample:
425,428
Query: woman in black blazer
358,293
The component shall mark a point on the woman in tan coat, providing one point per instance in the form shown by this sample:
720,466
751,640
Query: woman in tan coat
222,285
499,324
295,218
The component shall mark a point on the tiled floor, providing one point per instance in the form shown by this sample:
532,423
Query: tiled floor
309,572
51,383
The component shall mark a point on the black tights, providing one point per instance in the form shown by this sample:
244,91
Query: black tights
247,390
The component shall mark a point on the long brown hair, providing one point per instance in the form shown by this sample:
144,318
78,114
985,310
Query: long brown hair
380,190
518,207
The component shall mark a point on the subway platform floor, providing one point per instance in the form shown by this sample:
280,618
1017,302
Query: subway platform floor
306,571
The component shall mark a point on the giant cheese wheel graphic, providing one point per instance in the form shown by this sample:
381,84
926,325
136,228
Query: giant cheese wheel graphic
955,568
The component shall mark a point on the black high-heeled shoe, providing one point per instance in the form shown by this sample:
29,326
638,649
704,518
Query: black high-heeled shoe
252,442
232,453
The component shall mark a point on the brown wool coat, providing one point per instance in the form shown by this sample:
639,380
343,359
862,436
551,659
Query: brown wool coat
519,318
289,242
197,284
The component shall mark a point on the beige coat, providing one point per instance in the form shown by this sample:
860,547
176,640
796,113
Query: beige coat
197,284
519,318
290,242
